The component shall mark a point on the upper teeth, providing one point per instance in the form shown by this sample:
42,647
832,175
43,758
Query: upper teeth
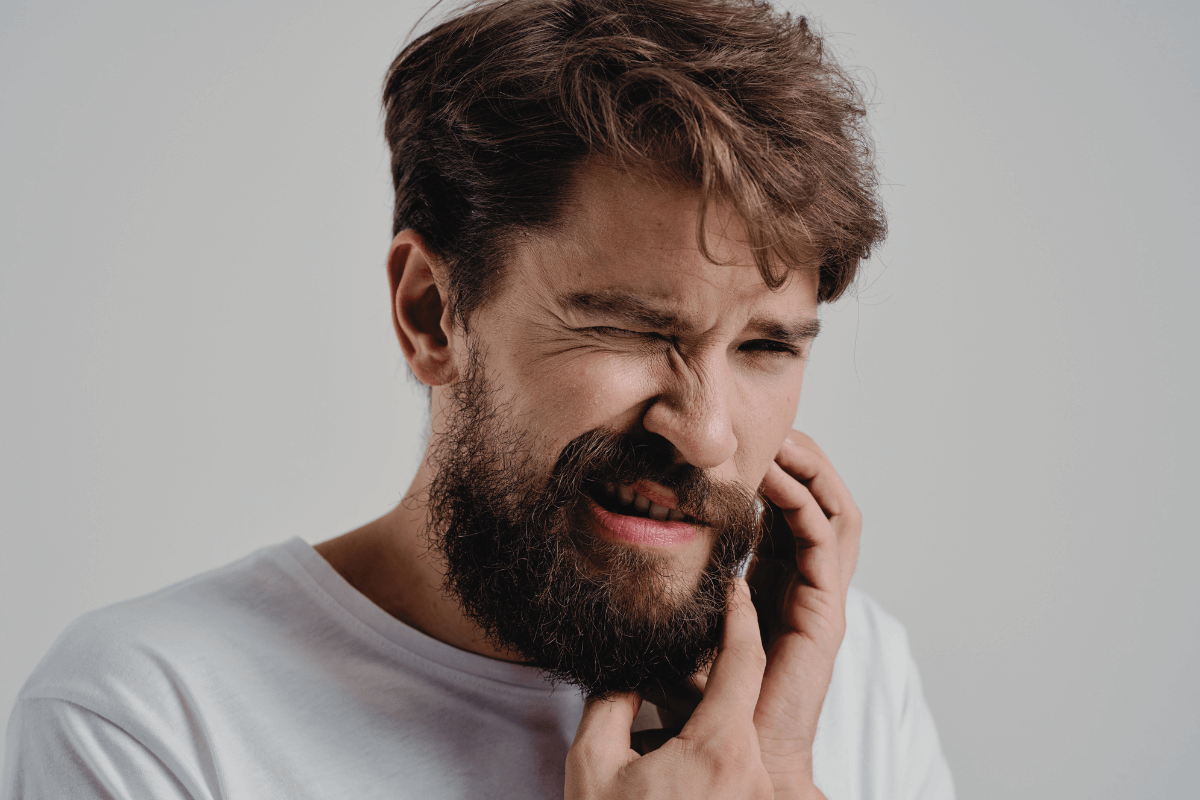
625,495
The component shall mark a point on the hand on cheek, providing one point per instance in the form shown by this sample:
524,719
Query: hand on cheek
800,583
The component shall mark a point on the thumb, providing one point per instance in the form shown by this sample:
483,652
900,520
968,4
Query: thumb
601,744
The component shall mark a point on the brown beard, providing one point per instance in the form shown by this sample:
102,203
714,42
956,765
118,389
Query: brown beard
523,562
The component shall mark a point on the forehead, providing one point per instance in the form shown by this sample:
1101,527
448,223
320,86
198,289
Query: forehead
625,234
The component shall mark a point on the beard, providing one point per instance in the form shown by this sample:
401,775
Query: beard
523,560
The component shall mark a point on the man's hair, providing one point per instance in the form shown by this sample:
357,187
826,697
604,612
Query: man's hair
489,114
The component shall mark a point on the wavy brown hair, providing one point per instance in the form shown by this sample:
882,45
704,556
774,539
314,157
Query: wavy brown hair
489,113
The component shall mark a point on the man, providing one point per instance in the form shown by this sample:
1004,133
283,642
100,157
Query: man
615,220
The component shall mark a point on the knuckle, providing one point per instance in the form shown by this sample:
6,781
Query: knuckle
721,772
730,758
757,658
801,499
749,657
854,514
730,763
829,618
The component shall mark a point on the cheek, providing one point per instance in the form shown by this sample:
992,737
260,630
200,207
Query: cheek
560,401
767,415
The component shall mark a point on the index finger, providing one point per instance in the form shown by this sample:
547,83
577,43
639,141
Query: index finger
808,464
601,745
731,692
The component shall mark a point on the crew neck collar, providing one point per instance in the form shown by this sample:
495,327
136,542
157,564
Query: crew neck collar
357,605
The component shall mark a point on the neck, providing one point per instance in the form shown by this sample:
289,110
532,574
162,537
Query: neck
390,562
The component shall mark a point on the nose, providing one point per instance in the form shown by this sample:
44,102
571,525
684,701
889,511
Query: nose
694,415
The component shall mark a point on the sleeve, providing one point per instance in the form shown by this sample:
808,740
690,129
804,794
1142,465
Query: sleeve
926,775
58,749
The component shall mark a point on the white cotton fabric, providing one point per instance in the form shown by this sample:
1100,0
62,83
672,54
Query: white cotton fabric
274,678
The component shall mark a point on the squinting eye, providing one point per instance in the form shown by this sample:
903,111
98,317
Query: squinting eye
768,346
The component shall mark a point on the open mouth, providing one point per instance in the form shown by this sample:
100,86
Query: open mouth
624,499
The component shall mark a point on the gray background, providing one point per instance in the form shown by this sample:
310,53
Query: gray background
196,356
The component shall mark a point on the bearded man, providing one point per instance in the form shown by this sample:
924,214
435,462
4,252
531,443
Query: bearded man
615,221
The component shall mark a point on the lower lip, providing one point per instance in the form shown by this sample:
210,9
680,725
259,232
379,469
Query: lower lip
641,530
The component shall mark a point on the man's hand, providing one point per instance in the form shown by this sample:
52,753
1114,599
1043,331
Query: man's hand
800,582
715,755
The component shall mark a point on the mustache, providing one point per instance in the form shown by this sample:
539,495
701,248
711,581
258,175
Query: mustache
603,456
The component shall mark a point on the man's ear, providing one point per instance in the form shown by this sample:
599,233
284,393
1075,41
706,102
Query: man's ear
420,309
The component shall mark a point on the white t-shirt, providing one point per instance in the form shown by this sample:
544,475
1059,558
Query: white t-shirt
274,678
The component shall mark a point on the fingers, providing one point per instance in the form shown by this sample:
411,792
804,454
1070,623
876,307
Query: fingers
800,457
733,683
817,557
810,465
716,754
805,516
602,744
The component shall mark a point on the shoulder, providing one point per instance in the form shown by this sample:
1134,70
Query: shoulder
876,643
134,653
876,737
120,698
874,673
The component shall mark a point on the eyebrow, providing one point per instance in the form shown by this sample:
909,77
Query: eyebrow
634,309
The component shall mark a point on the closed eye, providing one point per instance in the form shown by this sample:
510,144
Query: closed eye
768,346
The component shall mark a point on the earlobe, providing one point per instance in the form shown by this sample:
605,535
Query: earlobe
420,311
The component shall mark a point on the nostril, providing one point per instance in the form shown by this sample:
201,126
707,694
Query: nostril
657,442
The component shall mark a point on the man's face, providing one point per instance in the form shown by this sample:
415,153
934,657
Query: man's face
616,363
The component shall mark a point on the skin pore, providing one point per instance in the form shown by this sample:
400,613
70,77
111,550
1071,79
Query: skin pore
615,320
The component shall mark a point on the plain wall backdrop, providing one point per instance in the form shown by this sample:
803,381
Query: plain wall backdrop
196,356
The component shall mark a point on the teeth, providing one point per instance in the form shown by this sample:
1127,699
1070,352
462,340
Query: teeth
626,496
